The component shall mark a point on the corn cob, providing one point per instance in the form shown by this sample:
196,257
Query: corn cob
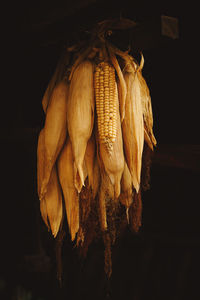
71,197
147,111
80,115
51,203
147,107
126,196
113,161
55,130
106,104
133,128
53,199
40,175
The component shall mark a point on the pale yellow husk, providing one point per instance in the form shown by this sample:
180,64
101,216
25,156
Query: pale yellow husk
40,175
133,128
126,196
40,160
80,115
55,130
71,197
147,108
56,78
122,89
53,200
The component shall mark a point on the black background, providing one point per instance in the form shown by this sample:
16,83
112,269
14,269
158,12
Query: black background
162,262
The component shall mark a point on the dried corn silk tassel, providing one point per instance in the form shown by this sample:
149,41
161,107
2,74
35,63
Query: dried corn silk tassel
105,191
102,207
133,128
85,197
122,89
107,254
147,107
146,167
40,174
80,115
89,228
53,199
89,191
106,103
71,197
55,130
80,238
126,196
135,212
114,161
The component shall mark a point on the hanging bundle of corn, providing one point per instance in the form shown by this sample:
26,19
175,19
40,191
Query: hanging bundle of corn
90,151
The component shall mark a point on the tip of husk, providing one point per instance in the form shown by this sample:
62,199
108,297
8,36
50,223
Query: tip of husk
136,186
78,178
55,232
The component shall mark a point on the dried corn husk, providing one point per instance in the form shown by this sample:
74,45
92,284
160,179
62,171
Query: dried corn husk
40,160
122,90
43,211
53,200
56,79
89,160
133,127
55,130
82,56
113,161
80,115
94,172
71,197
148,139
40,175
147,108
126,196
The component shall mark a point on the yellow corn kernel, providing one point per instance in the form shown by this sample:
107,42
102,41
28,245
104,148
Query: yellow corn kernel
106,102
